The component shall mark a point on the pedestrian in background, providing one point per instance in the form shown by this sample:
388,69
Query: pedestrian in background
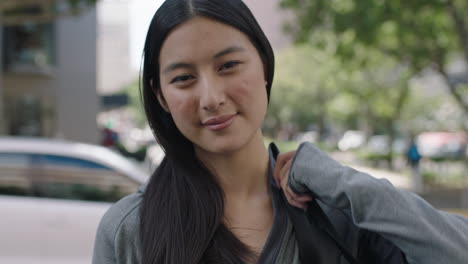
413,158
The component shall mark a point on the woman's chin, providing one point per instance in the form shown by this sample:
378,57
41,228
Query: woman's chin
228,144
220,147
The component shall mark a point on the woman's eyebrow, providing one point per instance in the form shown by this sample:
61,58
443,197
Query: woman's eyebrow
228,50
177,65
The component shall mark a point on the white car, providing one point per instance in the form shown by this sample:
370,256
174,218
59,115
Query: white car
53,194
352,139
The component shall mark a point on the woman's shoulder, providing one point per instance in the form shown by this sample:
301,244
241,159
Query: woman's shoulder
117,234
125,213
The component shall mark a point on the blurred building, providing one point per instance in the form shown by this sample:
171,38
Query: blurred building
48,76
113,46
53,74
272,18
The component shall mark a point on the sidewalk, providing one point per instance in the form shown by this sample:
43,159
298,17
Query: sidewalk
453,201
403,182
441,202
398,180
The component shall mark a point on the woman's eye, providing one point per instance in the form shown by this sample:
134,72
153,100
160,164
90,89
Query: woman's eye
181,78
229,64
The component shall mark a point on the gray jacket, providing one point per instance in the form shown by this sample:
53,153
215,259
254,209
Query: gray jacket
423,233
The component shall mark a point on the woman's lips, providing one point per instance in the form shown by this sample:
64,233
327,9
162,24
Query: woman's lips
219,122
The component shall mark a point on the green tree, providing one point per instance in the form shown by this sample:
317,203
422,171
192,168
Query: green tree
380,87
312,86
135,106
306,80
418,33
426,112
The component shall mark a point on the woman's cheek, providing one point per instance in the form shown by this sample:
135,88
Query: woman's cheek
178,101
182,108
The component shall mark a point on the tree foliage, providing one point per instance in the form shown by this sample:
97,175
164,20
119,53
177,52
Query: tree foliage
306,80
418,33
313,88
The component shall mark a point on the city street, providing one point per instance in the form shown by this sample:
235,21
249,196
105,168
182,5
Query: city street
47,231
95,93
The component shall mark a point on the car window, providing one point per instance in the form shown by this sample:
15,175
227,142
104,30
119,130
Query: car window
60,177
55,160
14,171
19,159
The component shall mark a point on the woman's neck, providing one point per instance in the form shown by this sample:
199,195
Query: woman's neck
242,174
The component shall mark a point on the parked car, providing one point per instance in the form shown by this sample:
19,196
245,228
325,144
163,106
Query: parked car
53,194
352,139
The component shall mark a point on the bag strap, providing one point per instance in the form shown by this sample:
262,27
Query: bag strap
315,217
313,243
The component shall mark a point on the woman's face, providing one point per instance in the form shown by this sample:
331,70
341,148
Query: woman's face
213,85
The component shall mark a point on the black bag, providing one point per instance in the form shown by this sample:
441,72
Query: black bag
317,238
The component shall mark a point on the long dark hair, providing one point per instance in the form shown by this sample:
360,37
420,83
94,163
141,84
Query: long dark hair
183,205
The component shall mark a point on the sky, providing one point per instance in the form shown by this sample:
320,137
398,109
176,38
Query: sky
141,13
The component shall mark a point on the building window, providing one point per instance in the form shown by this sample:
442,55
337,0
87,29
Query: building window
26,116
28,48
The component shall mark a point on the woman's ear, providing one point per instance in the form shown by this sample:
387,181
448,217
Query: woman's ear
162,101
160,97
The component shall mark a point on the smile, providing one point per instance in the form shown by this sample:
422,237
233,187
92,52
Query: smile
219,122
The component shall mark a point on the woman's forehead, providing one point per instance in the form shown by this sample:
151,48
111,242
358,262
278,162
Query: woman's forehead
202,36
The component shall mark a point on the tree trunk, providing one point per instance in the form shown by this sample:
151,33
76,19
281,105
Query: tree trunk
322,115
399,105
321,127
460,27
453,90
2,104
368,122
391,137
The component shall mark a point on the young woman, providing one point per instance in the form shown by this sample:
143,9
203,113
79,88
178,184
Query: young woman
218,196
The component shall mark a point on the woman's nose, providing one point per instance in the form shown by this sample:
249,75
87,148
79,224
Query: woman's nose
212,95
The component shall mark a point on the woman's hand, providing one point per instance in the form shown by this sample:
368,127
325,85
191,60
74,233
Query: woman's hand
281,175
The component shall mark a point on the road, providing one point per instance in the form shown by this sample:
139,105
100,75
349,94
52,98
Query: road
47,231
